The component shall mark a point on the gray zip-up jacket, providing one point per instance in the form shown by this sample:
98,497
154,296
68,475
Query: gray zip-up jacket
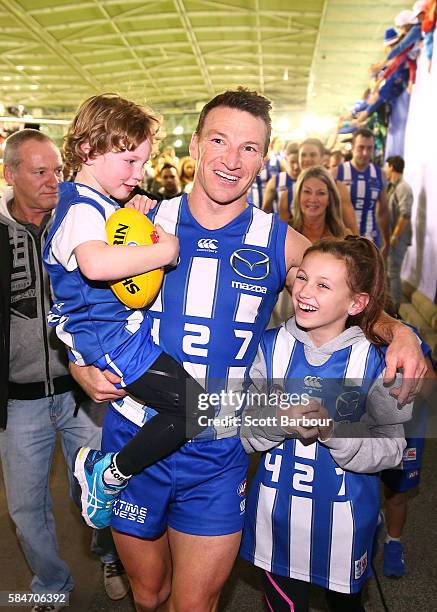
35,353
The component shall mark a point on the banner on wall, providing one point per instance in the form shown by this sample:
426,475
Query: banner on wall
419,267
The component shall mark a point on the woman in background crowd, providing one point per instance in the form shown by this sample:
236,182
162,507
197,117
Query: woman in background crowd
187,166
316,206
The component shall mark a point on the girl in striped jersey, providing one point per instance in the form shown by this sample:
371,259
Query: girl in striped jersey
313,507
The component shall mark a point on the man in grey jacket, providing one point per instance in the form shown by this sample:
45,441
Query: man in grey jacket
400,204
37,399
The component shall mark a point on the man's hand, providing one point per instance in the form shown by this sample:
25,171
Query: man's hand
141,203
98,385
404,353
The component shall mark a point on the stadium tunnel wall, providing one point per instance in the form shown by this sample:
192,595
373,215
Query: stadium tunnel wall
420,264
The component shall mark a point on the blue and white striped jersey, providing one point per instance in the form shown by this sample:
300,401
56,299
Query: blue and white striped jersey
271,168
364,188
284,182
306,517
88,317
213,308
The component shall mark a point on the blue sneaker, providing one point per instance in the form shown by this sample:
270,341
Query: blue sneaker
393,560
96,497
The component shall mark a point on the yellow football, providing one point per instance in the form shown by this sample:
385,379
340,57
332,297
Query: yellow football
130,227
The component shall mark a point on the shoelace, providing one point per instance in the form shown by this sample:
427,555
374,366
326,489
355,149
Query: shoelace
114,568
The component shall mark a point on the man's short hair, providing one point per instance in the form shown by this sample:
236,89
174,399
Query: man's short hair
364,132
397,163
244,100
108,122
292,148
11,154
166,166
337,155
315,142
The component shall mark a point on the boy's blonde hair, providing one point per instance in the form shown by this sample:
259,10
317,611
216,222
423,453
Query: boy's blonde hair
108,122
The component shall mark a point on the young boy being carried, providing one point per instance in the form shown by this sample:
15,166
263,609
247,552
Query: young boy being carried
108,144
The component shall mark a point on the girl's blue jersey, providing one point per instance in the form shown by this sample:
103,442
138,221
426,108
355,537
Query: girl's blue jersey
306,517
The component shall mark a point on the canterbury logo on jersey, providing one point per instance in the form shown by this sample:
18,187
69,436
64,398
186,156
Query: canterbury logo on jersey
208,244
250,263
314,382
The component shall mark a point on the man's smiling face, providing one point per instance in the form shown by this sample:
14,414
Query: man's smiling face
229,153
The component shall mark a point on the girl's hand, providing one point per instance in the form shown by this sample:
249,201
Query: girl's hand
141,203
326,423
299,419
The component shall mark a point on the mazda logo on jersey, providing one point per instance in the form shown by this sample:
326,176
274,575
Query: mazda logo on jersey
250,263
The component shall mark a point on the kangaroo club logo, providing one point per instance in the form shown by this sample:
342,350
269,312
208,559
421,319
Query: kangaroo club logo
250,263
347,403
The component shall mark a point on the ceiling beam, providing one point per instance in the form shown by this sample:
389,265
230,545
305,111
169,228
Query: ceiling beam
129,48
180,7
260,47
315,52
38,33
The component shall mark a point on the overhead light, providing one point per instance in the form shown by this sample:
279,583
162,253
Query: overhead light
179,129
315,124
178,143
297,135
283,124
285,77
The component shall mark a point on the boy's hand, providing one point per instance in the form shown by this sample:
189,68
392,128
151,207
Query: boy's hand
141,203
171,243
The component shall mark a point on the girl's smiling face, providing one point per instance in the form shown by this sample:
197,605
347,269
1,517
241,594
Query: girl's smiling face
322,298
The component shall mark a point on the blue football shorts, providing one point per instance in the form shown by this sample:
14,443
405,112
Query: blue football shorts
200,489
408,477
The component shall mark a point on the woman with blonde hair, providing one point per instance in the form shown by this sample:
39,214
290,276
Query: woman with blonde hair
316,213
316,206
187,167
